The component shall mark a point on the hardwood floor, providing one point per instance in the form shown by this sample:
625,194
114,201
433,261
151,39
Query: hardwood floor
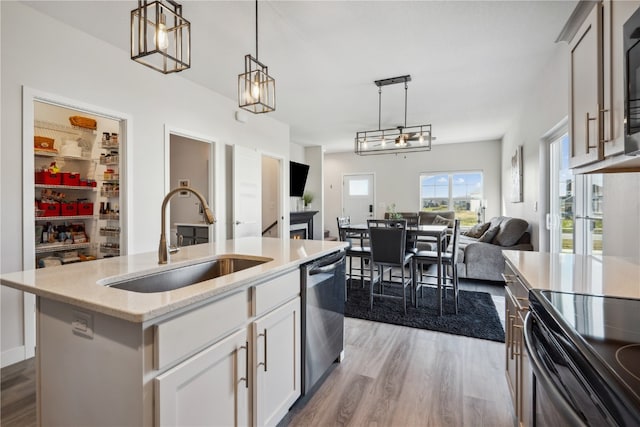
391,376
18,395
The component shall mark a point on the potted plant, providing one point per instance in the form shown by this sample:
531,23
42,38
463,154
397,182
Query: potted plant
307,198
391,209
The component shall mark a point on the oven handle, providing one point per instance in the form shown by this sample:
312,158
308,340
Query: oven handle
542,376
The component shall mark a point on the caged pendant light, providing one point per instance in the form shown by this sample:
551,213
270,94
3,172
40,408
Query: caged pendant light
401,139
160,36
256,89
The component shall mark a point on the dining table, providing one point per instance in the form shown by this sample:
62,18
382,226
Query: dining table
432,231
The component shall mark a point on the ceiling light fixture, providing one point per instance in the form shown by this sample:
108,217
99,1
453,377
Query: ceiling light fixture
160,36
256,89
406,139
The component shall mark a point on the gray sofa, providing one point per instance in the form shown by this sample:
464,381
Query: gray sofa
480,256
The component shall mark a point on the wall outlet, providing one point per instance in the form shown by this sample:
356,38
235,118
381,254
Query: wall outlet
82,324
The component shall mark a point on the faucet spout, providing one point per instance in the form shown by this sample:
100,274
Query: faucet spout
208,216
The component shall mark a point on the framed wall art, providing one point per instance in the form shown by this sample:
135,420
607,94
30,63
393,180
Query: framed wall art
516,175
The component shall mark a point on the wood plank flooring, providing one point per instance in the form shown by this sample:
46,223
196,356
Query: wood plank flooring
18,395
391,376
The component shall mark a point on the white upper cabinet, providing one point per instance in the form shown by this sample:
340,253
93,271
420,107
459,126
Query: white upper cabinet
586,94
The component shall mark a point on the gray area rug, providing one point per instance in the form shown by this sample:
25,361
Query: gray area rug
477,315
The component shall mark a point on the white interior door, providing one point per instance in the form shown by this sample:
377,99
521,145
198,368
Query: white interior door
247,192
357,197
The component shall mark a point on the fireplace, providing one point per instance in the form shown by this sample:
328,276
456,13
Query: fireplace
301,224
300,233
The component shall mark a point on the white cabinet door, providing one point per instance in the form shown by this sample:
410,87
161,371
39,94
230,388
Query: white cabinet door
277,367
586,91
209,388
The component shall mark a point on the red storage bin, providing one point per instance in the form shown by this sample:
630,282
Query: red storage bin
50,209
48,178
85,208
69,208
83,183
71,179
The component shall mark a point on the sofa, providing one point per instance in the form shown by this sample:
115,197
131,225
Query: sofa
480,248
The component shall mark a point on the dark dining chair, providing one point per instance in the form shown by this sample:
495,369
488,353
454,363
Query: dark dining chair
449,259
388,240
357,250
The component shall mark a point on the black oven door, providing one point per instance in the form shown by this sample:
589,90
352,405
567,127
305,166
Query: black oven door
559,396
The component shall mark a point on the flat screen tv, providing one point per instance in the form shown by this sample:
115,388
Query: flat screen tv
297,178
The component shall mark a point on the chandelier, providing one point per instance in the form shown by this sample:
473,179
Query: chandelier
160,36
400,139
256,89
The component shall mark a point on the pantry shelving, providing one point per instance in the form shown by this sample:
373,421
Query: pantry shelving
76,187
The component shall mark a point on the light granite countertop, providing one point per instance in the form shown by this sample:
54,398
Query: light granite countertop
83,284
609,276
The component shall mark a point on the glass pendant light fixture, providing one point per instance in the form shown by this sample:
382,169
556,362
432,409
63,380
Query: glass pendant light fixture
160,36
401,139
256,89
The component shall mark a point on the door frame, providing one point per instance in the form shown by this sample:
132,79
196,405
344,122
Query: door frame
29,96
212,195
373,180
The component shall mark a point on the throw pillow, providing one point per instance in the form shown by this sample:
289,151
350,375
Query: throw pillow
511,230
488,235
477,230
439,220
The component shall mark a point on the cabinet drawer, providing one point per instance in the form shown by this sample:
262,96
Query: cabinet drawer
273,293
182,335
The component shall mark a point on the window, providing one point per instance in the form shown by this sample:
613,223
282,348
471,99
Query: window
461,192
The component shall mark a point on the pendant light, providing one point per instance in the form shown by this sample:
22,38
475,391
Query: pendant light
256,89
401,139
160,36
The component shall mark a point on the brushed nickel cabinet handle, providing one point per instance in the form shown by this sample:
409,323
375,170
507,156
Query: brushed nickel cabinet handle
264,334
246,364
610,136
586,127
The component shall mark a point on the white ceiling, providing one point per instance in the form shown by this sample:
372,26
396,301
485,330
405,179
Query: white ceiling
472,63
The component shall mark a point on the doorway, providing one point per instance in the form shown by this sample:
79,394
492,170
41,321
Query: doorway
190,166
358,199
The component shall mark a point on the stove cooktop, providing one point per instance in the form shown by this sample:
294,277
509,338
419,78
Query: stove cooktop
609,329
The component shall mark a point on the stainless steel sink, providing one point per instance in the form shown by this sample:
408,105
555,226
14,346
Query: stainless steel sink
189,275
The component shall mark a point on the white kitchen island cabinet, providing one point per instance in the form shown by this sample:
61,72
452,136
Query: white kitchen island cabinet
277,364
210,388
224,351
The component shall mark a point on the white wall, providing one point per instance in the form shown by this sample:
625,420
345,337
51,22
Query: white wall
36,52
314,158
397,177
546,106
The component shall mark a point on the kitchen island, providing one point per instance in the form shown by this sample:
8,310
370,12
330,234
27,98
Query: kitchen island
221,351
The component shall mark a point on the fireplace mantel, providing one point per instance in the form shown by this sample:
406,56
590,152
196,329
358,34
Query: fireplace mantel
303,217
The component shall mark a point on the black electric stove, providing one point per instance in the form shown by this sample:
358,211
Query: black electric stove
599,339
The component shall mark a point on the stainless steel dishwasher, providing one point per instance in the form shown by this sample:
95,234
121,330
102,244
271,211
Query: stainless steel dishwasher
323,295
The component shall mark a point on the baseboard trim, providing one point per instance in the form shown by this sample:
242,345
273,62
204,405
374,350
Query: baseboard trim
14,355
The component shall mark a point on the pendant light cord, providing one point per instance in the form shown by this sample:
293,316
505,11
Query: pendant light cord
379,105
405,103
256,29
